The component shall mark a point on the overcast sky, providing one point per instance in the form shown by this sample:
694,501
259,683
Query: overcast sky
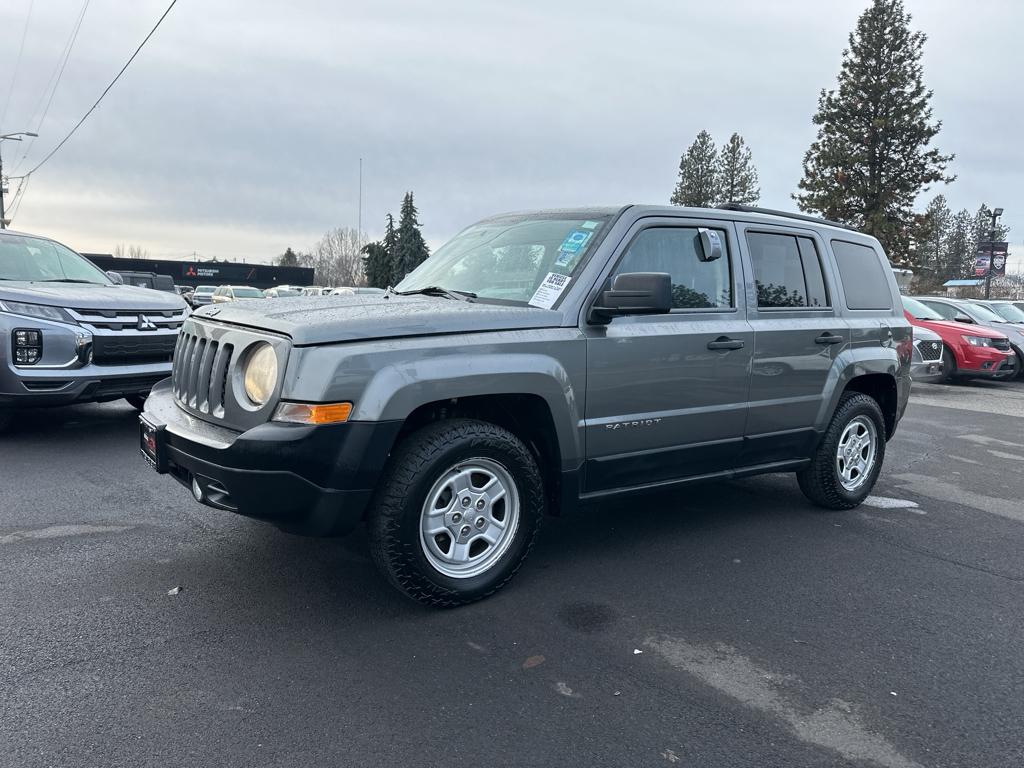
238,130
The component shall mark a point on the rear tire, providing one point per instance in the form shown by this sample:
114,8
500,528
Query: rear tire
138,402
456,512
849,458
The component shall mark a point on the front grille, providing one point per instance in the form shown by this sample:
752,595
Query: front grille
134,348
129,319
1003,345
930,350
199,376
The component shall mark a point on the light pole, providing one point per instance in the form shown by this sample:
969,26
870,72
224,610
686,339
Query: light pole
8,137
996,213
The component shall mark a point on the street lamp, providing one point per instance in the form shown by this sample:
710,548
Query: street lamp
16,136
996,213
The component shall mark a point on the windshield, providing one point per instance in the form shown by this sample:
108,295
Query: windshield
983,314
248,293
521,259
1008,312
919,311
205,289
35,259
286,292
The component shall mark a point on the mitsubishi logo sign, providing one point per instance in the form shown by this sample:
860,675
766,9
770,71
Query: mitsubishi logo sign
145,324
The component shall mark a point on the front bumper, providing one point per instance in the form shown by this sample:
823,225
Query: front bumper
32,387
314,481
926,372
998,365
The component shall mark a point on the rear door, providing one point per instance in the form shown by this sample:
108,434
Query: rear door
797,335
666,394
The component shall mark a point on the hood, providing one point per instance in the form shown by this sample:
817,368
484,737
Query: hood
951,326
89,296
925,334
329,319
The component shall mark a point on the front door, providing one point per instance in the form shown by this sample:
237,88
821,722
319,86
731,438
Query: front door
667,394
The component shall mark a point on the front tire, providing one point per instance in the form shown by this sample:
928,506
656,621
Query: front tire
950,365
456,512
849,459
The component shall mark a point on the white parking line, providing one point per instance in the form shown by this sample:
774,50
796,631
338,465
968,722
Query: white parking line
934,488
834,726
61,531
884,502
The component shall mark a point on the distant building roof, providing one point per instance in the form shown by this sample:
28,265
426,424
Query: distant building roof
962,283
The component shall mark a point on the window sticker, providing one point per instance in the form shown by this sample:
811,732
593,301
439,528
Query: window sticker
590,225
575,241
566,259
549,290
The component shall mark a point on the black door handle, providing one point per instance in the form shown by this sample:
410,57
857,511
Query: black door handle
724,342
829,338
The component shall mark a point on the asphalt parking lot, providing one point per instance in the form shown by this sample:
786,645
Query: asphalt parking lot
725,625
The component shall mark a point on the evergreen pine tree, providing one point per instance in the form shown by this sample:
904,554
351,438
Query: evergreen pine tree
698,174
984,226
379,258
410,247
390,243
961,245
288,259
872,156
929,239
737,176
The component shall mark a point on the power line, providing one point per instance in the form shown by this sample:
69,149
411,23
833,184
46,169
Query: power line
58,73
105,91
17,63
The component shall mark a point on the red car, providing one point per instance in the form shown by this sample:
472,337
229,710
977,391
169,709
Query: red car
971,351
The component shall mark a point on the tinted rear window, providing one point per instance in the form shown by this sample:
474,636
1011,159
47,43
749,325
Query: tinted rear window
864,278
787,271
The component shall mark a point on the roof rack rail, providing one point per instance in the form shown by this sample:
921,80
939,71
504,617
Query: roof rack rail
786,214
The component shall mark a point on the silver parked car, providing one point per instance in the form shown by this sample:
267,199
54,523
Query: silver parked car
70,334
926,362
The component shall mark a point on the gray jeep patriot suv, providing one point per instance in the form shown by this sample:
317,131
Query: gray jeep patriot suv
536,361
68,334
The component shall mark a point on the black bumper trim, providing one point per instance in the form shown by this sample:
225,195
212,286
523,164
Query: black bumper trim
316,481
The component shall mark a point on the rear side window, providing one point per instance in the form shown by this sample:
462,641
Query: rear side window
787,271
696,284
864,278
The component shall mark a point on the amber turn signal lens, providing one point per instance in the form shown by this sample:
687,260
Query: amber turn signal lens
313,413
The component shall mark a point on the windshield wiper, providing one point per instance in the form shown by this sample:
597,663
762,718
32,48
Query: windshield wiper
68,280
437,290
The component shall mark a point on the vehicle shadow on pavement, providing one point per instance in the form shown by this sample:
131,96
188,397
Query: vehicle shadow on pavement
99,420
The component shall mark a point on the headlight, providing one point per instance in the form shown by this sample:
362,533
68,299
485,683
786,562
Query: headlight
978,341
36,310
261,373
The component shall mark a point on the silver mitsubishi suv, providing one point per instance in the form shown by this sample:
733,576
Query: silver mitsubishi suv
68,333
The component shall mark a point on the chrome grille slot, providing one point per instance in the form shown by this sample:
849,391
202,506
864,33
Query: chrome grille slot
195,362
219,379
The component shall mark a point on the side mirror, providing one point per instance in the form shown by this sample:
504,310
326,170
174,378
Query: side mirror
633,293
963,319
115,277
710,244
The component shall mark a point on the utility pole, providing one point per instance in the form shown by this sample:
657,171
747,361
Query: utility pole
996,213
7,137
359,220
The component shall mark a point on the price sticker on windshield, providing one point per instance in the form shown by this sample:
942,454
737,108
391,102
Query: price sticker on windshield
549,290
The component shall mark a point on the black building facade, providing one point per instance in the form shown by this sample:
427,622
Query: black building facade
209,272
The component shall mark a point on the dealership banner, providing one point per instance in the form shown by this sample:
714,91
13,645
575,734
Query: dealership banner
991,256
